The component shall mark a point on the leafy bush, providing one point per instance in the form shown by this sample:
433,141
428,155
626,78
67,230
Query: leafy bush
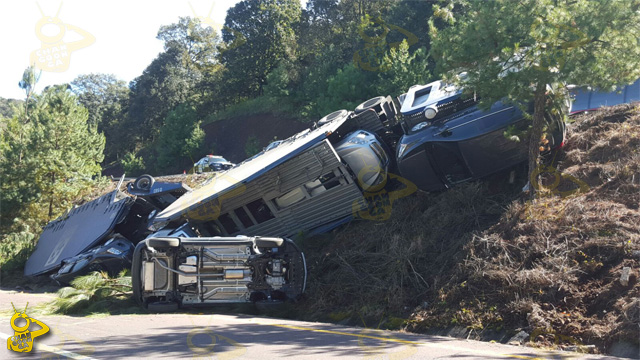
15,249
278,82
252,146
346,89
132,164
180,138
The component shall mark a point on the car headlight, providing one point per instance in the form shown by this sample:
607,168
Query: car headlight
419,126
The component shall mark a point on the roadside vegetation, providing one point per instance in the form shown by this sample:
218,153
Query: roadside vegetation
95,293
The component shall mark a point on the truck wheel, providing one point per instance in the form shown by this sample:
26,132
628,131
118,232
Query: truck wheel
163,243
163,306
144,182
333,116
371,104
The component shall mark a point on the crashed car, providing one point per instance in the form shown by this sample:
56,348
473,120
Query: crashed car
171,266
111,257
178,269
447,139
212,163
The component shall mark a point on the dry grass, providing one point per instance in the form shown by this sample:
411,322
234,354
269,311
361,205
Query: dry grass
469,258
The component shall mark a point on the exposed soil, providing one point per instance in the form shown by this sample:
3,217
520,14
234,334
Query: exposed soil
495,263
229,137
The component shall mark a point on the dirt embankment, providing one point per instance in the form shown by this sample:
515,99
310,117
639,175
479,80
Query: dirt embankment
229,137
495,263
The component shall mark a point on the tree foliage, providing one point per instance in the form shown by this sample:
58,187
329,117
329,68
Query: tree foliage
180,138
107,100
514,49
264,34
49,160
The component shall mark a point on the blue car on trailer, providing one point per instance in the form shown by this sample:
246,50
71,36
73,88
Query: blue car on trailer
447,138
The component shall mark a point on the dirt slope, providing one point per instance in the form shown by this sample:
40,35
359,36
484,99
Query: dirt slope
494,263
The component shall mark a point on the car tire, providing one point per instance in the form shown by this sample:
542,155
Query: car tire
144,182
333,116
163,243
374,103
163,306
136,274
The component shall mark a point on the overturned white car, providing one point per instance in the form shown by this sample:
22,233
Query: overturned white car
176,269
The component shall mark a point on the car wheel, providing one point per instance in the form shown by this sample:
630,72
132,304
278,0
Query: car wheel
333,116
163,243
374,103
163,306
144,182
136,274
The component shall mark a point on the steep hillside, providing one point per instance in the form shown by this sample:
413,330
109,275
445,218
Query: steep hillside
483,260
229,137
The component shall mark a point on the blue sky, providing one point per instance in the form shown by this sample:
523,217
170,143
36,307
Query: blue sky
73,37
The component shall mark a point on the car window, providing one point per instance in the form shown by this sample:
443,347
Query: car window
228,223
243,217
260,211
290,198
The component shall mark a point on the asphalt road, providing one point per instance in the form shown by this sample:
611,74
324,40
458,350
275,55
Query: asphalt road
226,337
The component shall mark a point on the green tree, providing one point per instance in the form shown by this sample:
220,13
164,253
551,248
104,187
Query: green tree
403,70
61,154
180,139
267,30
514,49
107,100
7,107
196,44
174,77
346,89
64,152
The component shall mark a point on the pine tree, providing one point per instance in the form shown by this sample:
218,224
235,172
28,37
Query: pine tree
514,49
47,161
65,152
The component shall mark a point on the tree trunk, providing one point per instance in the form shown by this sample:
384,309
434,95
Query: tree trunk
536,134
53,180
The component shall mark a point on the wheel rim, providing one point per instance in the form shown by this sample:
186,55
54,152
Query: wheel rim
144,184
